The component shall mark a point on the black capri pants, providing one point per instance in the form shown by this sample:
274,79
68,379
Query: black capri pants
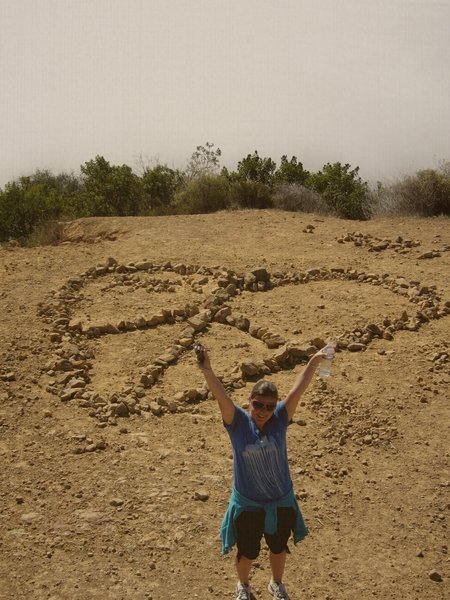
250,528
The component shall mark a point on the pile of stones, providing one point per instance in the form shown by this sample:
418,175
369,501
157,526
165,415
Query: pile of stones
376,244
399,244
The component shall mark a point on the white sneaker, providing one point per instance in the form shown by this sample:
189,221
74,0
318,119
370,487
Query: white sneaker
278,590
243,592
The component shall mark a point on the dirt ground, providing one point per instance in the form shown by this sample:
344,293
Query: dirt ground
115,467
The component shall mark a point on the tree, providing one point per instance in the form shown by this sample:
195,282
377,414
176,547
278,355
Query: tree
343,190
255,168
291,171
159,185
24,204
204,161
110,190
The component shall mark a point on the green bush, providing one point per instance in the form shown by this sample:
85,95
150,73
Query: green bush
250,194
32,200
205,194
159,186
253,168
110,190
343,190
291,171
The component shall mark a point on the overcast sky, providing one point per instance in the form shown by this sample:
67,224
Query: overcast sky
359,81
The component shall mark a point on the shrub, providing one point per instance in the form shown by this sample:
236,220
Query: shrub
291,171
298,198
205,194
425,194
110,190
27,202
159,186
46,233
343,190
254,168
250,194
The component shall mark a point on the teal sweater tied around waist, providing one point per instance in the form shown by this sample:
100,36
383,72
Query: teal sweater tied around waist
239,503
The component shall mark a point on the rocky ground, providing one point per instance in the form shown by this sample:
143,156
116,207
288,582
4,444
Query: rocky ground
116,469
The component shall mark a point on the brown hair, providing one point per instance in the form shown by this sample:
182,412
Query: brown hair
264,388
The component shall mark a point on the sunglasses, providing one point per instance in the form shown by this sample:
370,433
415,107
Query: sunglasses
262,405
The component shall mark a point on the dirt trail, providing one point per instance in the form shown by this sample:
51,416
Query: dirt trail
116,469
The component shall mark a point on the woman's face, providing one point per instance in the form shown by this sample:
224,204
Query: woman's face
261,409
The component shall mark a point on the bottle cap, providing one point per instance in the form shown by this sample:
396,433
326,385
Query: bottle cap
329,350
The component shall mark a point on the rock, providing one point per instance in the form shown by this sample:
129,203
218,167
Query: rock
77,383
356,347
116,502
199,321
379,247
144,265
63,365
435,576
374,329
68,394
281,355
139,391
201,495
260,274
274,341
301,351
157,319
250,369
61,321
120,410
10,376
242,323
222,314
249,279
155,408
146,380
141,322
102,328
166,359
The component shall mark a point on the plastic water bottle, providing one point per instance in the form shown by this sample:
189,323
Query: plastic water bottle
325,365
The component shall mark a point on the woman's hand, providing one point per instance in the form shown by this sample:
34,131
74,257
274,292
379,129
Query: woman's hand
203,361
323,354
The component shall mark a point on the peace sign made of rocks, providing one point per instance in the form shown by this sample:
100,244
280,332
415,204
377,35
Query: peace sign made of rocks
209,299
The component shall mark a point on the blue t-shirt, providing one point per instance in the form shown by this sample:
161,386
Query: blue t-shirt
260,466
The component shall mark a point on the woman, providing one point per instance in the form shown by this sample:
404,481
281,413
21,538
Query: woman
262,501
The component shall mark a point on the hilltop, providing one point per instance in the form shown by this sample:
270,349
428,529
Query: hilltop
116,469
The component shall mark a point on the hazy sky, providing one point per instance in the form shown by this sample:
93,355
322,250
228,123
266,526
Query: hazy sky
359,81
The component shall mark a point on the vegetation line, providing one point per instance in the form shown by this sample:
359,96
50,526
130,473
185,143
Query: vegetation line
32,206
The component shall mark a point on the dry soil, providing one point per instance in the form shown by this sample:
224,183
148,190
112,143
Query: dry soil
129,507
